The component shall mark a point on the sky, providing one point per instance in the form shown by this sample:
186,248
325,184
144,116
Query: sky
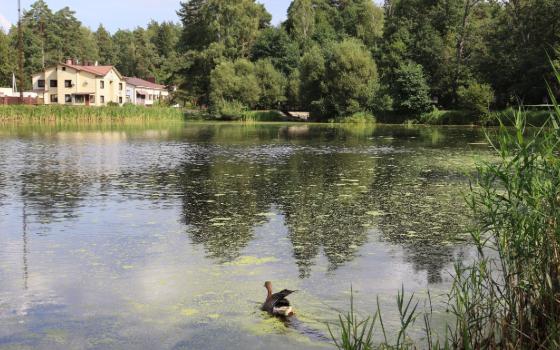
122,14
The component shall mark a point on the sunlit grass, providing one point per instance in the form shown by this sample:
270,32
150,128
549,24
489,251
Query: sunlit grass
67,113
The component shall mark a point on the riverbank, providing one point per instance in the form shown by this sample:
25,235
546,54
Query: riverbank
534,117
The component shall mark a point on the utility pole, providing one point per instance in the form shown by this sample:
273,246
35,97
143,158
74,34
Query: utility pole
20,53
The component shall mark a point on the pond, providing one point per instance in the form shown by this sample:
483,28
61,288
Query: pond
160,236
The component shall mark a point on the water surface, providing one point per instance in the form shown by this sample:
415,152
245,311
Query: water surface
161,236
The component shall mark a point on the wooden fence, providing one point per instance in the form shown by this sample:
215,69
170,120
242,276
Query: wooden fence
9,100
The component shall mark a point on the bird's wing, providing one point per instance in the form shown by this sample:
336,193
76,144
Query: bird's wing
283,293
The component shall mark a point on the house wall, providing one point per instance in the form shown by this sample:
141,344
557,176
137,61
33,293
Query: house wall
82,83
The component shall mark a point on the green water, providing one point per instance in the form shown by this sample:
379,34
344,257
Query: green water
161,236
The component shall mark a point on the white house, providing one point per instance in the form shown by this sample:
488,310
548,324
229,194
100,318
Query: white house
144,92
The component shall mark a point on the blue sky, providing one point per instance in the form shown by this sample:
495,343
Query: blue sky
125,14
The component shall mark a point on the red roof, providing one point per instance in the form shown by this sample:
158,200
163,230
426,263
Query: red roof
97,70
143,83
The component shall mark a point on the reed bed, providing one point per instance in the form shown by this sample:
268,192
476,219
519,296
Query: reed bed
96,114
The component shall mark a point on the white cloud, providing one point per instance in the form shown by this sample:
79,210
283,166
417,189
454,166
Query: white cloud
4,23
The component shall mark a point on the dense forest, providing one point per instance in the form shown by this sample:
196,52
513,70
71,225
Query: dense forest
334,58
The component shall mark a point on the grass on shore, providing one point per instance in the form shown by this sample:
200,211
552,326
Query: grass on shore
67,113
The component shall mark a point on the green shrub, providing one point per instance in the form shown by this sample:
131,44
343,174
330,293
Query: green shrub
263,116
476,97
272,84
343,82
445,117
411,93
235,82
229,110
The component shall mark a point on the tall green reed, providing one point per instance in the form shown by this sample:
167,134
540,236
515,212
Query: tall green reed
58,112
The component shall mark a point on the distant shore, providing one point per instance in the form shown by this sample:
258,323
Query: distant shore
17,113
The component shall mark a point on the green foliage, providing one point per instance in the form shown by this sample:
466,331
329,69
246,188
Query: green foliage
293,90
312,70
362,19
410,90
233,23
235,81
197,67
272,85
275,44
228,109
7,60
476,97
450,117
359,118
263,116
350,81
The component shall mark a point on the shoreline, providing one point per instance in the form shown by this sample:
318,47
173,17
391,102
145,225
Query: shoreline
131,113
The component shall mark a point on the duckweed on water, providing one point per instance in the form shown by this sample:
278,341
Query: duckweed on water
252,260
184,224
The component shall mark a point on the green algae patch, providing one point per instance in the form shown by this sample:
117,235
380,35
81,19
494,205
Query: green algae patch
251,260
270,325
189,312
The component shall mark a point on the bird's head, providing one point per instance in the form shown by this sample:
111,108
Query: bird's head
268,285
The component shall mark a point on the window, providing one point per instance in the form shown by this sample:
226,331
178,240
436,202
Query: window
102,84
54,83
120,99
92,98
68,83
64,69
41,83
54,98
102,99
79,98
67,98
120,86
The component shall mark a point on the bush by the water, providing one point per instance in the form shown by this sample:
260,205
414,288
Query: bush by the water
411,91
228,110
476,97
358,118
454,117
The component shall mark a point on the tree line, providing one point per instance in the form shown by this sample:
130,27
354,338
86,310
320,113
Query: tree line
334,58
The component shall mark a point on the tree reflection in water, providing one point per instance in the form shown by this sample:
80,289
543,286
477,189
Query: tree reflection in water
331,193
